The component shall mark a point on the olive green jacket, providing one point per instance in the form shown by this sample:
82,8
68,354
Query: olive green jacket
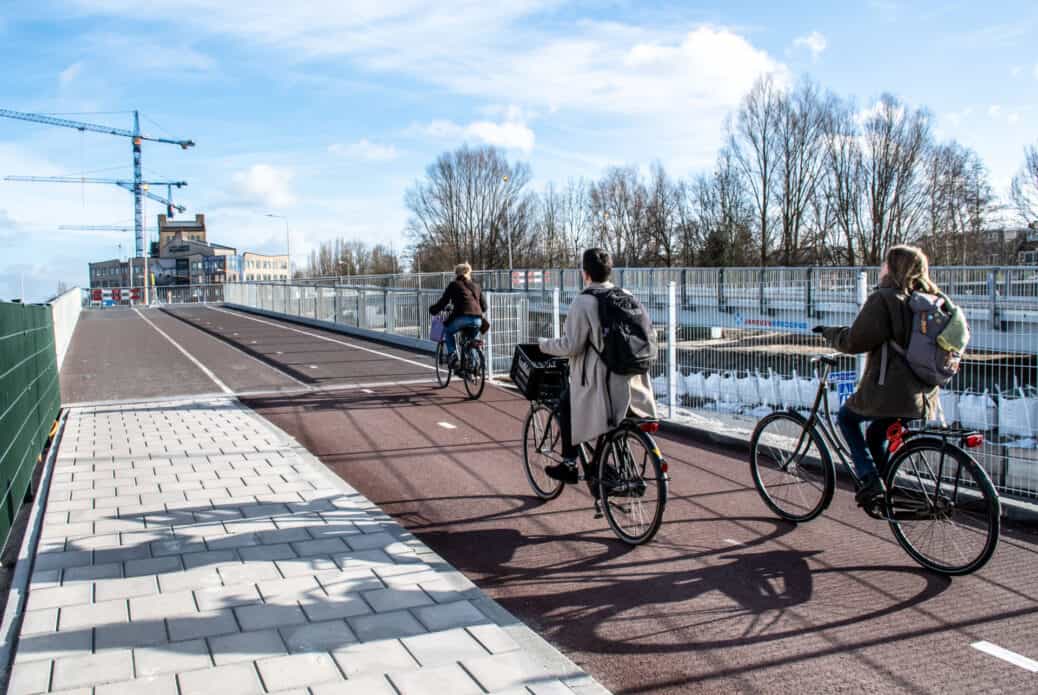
884,317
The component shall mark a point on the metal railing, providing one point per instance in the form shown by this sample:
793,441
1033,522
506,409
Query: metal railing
108,297
736,342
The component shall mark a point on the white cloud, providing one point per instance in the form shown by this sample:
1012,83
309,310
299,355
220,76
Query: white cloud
814,42
70,73
1036,71
995,111
365,149
510,135
1013,118
264,184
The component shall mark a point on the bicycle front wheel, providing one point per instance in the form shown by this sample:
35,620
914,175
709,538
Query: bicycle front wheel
632,485
476,373
942,507
542,446
791,467
443,370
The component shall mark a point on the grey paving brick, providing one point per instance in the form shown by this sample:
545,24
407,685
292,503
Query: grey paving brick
45,578
385,600
369,541
91,669
189,580
227,596
30,677
93,615
306,566
447,615
298,670
248,572
326,546
291,590
232,541
318,637
493,638
262,616
213,558
202,624
34,622
385,626
130,635
447,647
362,558
154,565
174,657
247,646
236,679
59,596
284,535
162,606
502,671
268,553
122,554
108,589
150,685
435,681
62,559
88,573
365,685
53,645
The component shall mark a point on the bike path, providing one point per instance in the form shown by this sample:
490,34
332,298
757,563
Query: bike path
727,598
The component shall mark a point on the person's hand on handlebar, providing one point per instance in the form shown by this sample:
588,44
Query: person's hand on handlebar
818,329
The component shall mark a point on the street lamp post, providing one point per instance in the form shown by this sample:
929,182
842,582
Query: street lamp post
288,243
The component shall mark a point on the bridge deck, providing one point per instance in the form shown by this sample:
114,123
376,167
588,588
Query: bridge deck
726,599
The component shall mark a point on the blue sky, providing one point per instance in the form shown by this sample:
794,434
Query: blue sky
325,111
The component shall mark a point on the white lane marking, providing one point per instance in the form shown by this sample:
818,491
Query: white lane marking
447,425
178,346
324,337
255,359
731,541
259,393
313,366
1006,655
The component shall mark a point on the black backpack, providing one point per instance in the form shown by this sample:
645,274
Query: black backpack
628,340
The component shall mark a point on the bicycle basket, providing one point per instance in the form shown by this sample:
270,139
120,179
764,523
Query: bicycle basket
537,375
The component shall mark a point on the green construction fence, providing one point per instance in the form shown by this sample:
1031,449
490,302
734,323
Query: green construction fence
30,400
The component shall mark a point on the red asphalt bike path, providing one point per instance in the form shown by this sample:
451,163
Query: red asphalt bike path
727,598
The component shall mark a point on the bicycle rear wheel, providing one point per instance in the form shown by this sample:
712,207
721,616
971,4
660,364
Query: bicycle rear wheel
791,467
542,446
443,370
945,512
632,485
475,373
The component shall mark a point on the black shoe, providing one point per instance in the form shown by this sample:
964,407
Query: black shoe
871,491
565,472
453,361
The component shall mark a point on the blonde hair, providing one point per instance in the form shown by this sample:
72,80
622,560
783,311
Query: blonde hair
909,270
463,269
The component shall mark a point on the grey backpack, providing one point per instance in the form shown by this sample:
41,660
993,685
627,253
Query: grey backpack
937,342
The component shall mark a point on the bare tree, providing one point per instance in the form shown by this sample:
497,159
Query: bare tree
754,144
726,211
800,163
470,206
1024,190
959,202
662,215
618,206
843,185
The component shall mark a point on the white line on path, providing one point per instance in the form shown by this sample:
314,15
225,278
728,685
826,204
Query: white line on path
323,337
1006,655
731,541
447,425
205,370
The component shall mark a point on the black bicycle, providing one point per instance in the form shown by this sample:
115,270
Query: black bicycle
940,503
472,362
624,471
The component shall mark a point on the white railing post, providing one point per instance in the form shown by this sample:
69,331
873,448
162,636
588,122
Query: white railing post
490,336
672,349
555,314
861,296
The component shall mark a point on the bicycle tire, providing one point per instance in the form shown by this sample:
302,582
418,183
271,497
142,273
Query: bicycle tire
627,480
443,370
541,418
476,377
973,512
813,474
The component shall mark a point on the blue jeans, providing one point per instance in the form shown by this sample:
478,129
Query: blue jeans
458,324
868,449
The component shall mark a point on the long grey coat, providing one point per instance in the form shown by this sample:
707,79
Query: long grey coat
590,407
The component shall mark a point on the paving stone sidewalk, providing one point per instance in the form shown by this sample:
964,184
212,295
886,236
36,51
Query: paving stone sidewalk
192,547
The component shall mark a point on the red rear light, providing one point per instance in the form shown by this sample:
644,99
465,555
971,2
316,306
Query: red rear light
649,427
663,466
974,440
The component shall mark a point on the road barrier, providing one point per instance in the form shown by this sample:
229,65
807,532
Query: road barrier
65,310
735,343
29,398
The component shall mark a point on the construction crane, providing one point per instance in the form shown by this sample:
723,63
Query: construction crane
136,137
128,185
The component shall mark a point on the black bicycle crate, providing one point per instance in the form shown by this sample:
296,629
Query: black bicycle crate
536,374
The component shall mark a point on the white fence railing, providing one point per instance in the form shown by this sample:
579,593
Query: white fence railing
730,355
